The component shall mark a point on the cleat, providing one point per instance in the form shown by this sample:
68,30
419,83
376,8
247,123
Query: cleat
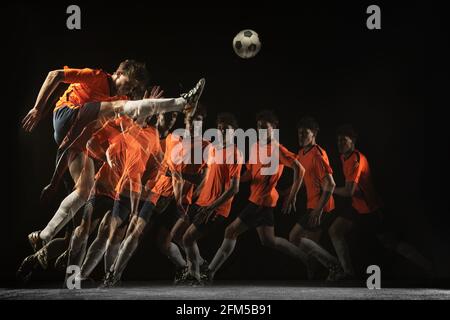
336,273
190,280
28,265
192,97
42,258
35,241
180,274
206,277
110,281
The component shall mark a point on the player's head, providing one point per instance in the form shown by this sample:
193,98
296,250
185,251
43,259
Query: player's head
267,120
130,78
199,116
166,121
307,130
346,138
226,124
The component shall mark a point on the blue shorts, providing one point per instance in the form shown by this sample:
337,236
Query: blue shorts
63,120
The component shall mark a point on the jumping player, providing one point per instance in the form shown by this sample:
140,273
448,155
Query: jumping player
91,99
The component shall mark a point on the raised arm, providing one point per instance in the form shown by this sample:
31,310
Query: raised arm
31,120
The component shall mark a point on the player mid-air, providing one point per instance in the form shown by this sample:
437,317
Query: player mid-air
92,98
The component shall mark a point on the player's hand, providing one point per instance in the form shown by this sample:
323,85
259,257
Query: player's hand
31,120
289,205
315,218
155,93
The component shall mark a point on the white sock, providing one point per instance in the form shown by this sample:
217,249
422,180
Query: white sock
193,257
66,211
222,254
112,250
312,248
175,256
148,107
93,257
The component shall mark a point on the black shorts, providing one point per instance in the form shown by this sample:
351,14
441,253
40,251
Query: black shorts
80,128
63,119
146,211
369,222
325,222
122,207
254,216
97,206
196,219
167,217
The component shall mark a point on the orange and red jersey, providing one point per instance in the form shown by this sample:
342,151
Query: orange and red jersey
317,166
224,164
263,190
185,157
136,146
86,85
163,185
356,169
107,178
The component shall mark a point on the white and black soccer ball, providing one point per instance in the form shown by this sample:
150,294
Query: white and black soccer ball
246,44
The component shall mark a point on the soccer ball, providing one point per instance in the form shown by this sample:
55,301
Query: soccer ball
246,44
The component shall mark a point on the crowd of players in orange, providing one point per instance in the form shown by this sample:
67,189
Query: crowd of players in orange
120,156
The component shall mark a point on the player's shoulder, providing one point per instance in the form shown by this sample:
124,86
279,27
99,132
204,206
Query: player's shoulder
319,152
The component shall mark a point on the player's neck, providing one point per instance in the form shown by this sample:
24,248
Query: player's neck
309,146
349,153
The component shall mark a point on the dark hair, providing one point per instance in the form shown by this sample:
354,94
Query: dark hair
267,115
348,131
228,119
137,72
308,123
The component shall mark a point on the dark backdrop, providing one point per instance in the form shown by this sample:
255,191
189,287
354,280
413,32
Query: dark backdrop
317,60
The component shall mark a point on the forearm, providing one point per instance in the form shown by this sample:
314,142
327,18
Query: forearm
298,179
48,87
224,197
326,195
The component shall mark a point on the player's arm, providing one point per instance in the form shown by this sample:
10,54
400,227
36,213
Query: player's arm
347,191
54,78
177,185
224,197
200,186
298,174
327,185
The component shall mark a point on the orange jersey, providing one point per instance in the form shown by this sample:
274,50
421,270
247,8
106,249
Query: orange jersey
186,157
218,178
317,166
86,85
137,145
152,170
357,170
263,190
163,185
107,178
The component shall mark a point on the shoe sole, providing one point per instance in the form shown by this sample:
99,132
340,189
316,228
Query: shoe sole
199,96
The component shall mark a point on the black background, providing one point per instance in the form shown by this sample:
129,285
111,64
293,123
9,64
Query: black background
316,59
